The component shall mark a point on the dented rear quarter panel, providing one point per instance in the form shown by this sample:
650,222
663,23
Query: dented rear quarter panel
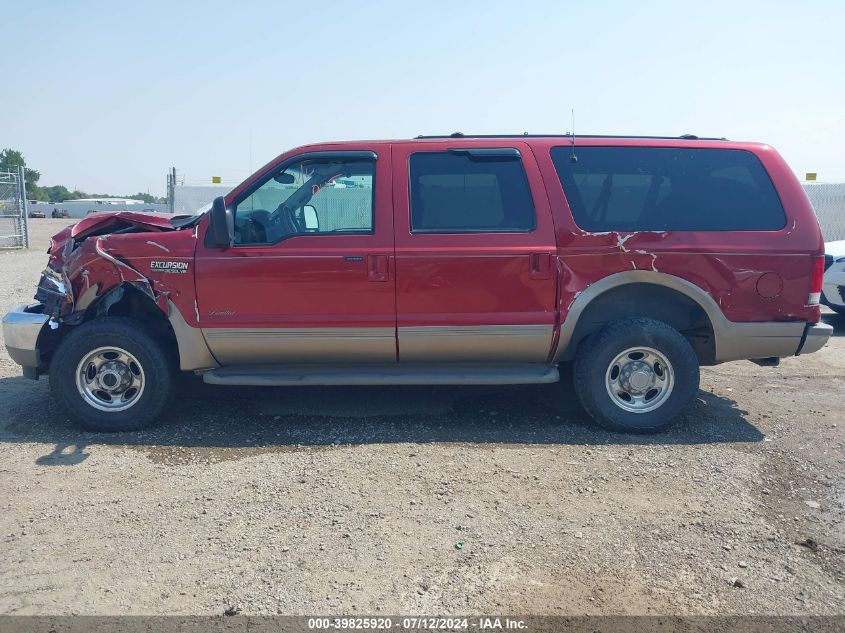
728,265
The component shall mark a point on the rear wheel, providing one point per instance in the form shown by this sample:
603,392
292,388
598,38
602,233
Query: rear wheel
110,374
636,375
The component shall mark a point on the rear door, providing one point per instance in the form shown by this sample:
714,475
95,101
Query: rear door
475,244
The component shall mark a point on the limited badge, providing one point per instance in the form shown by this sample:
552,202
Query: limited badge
168,267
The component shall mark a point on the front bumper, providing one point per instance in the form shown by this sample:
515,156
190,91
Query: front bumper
815,337
22,327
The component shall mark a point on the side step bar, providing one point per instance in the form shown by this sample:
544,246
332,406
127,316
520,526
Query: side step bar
396,374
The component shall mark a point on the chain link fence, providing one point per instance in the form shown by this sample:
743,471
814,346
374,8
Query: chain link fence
828,199
14,227
191,198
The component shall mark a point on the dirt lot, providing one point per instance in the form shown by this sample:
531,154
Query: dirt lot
426,500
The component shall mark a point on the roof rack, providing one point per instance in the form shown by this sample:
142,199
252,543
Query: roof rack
691,137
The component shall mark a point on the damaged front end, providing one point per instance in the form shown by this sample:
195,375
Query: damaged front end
54,294
101,265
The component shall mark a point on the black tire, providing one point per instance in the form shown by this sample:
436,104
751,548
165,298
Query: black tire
157,362
596,355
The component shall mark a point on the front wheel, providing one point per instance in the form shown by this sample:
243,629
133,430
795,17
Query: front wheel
636,375
111,375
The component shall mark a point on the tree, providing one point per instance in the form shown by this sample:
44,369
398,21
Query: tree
10,160
58,193
145,197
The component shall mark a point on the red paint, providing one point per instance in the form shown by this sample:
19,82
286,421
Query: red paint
471,279
394,277
769,285
307,280
726,264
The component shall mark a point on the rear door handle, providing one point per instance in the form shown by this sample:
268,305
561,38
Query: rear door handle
377,268
541,266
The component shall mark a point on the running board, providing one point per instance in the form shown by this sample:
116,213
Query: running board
396,374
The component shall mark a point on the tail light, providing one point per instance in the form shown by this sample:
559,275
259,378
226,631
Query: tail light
816,277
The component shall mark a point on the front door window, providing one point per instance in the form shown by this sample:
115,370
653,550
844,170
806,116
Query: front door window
309,197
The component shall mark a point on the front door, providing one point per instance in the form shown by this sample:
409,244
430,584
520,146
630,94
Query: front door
475,244
309,277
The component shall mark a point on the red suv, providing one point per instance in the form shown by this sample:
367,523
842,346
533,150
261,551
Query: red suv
453,259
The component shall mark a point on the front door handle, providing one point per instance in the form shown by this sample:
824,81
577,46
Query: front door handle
540,266
377,268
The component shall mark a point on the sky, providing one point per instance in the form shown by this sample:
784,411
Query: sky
107,96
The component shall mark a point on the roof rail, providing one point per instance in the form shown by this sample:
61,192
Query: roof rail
526,135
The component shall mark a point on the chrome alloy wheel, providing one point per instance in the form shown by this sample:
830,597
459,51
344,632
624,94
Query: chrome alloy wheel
110,379
639,380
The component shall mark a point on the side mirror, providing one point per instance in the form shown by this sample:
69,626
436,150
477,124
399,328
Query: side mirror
222,224
309,215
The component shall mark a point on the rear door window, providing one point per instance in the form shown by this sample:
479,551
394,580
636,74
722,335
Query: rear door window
454,192
668,189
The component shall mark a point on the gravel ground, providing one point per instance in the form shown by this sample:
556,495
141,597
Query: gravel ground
426,500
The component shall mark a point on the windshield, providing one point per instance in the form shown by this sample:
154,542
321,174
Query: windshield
182,220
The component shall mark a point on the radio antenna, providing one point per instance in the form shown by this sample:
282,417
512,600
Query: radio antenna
572,157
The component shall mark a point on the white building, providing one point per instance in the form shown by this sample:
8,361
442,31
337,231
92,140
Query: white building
84,206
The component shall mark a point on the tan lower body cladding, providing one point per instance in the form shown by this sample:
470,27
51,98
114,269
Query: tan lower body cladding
489,343
237,346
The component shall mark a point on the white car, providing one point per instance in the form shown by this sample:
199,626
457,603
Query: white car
833,286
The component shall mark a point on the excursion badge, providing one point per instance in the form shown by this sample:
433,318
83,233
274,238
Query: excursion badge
168,267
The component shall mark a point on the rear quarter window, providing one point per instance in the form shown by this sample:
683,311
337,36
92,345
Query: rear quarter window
668,189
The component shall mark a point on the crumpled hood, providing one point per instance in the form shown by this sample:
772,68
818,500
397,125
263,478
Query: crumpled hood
61,244
108,222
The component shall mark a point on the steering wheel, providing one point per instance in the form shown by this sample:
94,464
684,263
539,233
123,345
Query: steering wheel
253,232
287,218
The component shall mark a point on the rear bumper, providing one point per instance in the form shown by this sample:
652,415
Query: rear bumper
774,339
22,326
815,337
